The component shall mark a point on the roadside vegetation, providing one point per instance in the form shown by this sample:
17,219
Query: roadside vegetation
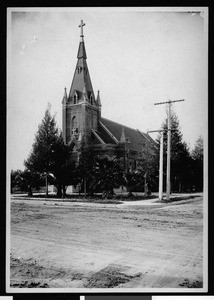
51,162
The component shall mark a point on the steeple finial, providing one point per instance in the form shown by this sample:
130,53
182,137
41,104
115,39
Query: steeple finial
123,137
81,30
65,97
98,98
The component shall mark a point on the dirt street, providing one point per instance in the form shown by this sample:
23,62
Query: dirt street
106,246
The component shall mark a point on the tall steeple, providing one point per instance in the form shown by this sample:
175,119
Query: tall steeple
81,81
81,111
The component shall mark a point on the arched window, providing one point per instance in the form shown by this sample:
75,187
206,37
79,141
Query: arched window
79,69
74,129
91,99
75,98
74,122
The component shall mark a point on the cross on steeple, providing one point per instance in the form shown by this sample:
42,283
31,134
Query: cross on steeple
81,25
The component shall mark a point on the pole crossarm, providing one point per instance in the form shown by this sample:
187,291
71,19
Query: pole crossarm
168,102
162,130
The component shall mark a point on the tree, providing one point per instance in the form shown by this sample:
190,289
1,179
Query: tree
61,164
49,154
26,180
180,156
14,179
198,151
134,180
108,175
97,173
148,163
69,175
197,166
86,166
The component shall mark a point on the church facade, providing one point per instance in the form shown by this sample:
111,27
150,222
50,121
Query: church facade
81,116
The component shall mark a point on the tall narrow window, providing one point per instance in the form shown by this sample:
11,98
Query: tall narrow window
74,122
74,129
75,98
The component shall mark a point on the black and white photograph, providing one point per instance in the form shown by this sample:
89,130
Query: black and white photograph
107,135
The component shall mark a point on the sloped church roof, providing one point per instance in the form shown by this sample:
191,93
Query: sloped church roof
134,138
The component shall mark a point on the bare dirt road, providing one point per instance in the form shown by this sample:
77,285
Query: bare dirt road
61,245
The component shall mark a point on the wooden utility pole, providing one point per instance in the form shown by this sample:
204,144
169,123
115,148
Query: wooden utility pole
160,163
168,187
161,168
85,188
145,186
46,181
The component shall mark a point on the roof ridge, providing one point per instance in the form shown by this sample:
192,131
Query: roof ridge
108,131
148,137
144,134
98,137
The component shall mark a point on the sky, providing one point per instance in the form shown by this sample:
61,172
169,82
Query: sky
135,56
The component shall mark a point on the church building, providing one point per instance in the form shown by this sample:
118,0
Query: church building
81,116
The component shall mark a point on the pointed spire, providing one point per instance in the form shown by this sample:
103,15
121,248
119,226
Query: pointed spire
123,137
81,81
65,93
65,97
81,50
98,98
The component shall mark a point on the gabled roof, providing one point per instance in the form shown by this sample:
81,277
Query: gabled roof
134,137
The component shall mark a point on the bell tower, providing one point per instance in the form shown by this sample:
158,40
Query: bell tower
80,109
